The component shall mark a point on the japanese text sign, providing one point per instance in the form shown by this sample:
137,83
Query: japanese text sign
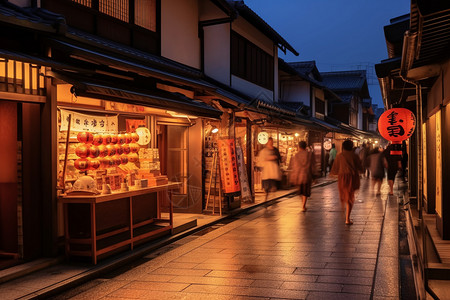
228,166
397,124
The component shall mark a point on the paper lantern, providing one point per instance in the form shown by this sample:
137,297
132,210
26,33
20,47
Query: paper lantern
111,150
82,150
124,159
120,139
144,135
397,124
126,148
134,137
133,157
102,151
117,160
81,164
128,138
94,164
113,139
94,151
107,162
97,139
119,149
85,137
106,139
134,148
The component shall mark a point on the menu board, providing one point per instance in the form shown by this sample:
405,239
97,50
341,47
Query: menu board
228,166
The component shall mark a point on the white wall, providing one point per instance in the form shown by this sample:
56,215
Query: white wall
179,31
252,90
296,91
217,52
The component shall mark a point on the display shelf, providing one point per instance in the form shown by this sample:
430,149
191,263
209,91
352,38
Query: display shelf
96,225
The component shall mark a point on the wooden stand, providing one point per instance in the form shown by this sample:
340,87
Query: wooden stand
214,185
96,225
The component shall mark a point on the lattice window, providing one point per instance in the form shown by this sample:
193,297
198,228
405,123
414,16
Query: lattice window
87,3
118,9
145,14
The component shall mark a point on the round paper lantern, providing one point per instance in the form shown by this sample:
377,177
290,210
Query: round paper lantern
117,160
106,139
134,148
133,157
144,135
134,137
126,148
119,149
397,124
120,139
107,162
113,139
102,151
94,164
97,139
128,138
111,150
85,137
82,150
94,151
124,159
81,164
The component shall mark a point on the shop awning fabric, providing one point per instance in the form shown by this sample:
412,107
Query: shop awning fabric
154,98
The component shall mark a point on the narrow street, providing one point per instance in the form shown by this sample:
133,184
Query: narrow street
275,252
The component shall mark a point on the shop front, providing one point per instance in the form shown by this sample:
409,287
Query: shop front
126,162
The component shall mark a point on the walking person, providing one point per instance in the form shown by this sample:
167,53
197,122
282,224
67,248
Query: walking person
333,153
347,166
268,160
363,153
393,165
303,170
377,164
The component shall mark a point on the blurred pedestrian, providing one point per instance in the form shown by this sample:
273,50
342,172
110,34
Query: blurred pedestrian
393,165
303,171
347,166
332,157
377,163
363,153
269,159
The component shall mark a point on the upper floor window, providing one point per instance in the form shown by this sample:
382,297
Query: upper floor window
250,62
319,108
144,11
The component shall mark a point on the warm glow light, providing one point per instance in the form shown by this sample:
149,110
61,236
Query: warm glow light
376,142
297,134
215,130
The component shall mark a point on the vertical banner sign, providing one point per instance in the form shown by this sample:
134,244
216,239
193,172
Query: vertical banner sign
245,186
228,166
424,159
438,164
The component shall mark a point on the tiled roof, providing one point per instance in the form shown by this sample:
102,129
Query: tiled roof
344,80
307,68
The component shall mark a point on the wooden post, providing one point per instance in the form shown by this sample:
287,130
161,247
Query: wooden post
63,177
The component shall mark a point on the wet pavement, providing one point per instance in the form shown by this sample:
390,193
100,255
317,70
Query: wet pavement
275,252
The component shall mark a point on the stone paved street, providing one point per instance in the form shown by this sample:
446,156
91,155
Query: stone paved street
275,252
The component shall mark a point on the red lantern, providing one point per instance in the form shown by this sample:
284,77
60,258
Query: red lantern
85,137
97,140
133,157
124,159
106,139
397,124
107,162
81,164
111,150
94,164
82,150
134,148
134,137
120,139
114,139
94,151
119,149
117,160
102,151
126,148
128,138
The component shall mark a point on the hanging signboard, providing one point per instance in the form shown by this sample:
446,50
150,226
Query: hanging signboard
91,123
243,179
228,166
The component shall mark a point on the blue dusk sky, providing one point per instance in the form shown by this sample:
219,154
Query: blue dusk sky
338,34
